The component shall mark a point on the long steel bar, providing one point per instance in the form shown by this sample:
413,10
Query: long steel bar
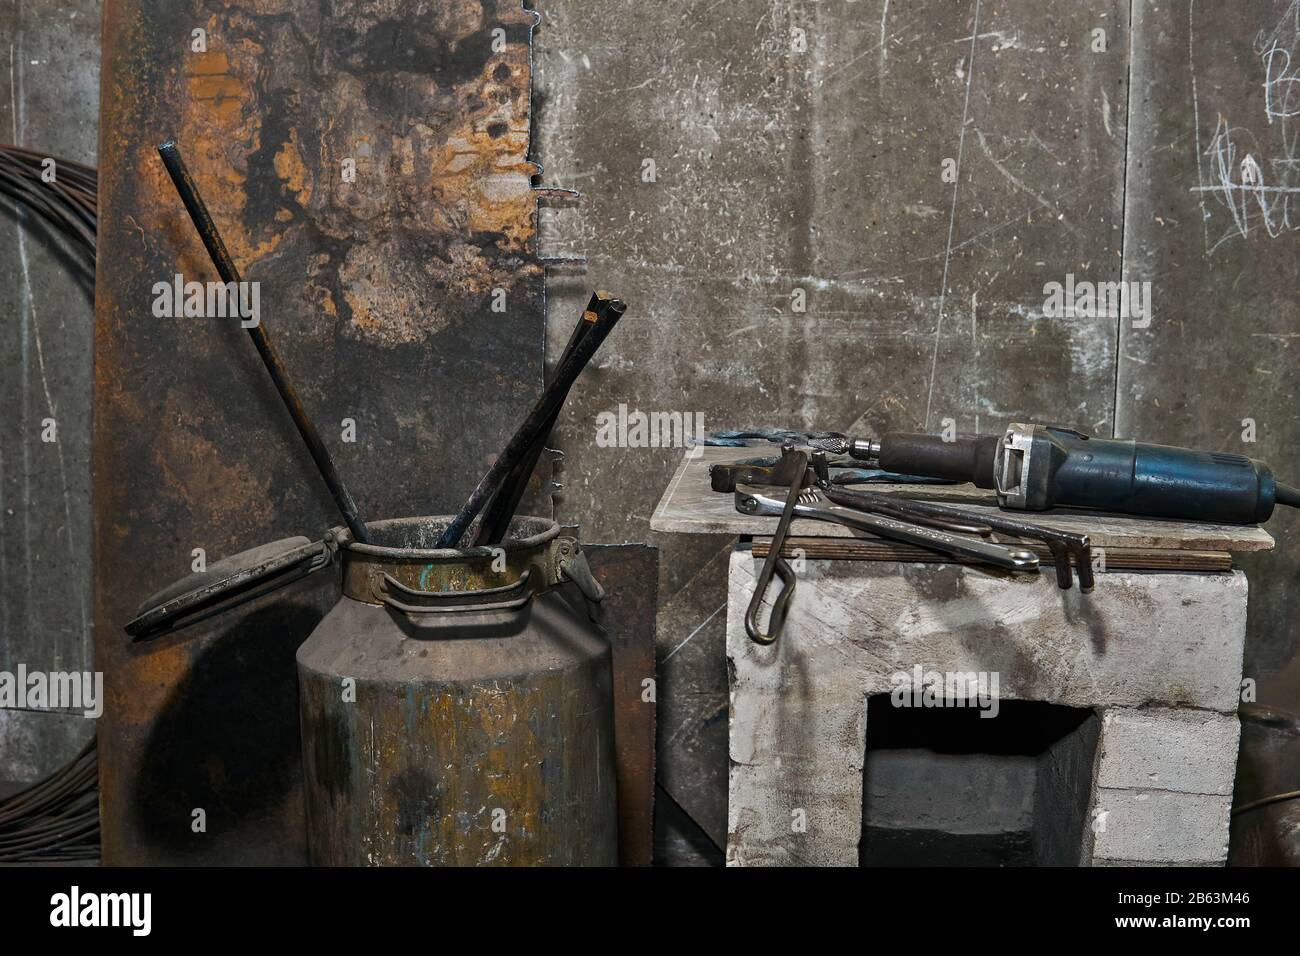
608,311
496,516
207,230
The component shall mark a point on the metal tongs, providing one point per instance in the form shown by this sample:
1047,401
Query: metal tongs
809,493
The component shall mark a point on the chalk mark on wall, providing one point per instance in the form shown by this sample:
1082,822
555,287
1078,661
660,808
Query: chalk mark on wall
1257,196
952,218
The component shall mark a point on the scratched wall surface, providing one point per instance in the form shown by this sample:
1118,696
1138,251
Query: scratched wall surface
777,169
378,293
1213,172
49,101
798,148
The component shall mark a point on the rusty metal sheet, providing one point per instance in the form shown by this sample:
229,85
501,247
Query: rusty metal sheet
628,573
213,728
379,293
1266,832
692,642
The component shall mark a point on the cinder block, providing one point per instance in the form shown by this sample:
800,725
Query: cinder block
1158,655
1172,640
1188,751
1157,826
953,793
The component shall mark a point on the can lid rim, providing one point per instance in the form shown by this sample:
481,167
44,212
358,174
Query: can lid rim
342,537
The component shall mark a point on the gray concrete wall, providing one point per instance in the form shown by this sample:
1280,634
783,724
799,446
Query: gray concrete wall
1218,366
799,148
787,161
49,101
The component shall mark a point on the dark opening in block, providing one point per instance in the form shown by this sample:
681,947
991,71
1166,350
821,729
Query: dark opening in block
945,786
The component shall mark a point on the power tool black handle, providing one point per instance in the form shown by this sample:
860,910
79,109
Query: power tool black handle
964,458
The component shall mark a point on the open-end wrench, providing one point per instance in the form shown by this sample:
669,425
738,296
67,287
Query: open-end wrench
810,504
1062,544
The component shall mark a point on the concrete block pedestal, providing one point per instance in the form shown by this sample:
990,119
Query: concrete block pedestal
1121,703
1156,657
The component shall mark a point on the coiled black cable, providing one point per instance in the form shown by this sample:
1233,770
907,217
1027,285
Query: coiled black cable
55,820
1287,495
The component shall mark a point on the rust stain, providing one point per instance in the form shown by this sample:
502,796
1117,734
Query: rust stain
211,83
153,675
458,776
212,486
434,112
290,168
221,127
452,179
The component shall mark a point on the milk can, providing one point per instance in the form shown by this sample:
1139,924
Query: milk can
456,705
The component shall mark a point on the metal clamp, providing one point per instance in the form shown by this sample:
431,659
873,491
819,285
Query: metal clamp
776,620
793,468
1012,466
572,566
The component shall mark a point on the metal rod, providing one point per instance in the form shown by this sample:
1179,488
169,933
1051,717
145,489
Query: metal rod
496,516
797,463
608,311
207,230
1062,544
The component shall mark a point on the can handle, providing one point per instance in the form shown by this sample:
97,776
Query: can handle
450,602
576,569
